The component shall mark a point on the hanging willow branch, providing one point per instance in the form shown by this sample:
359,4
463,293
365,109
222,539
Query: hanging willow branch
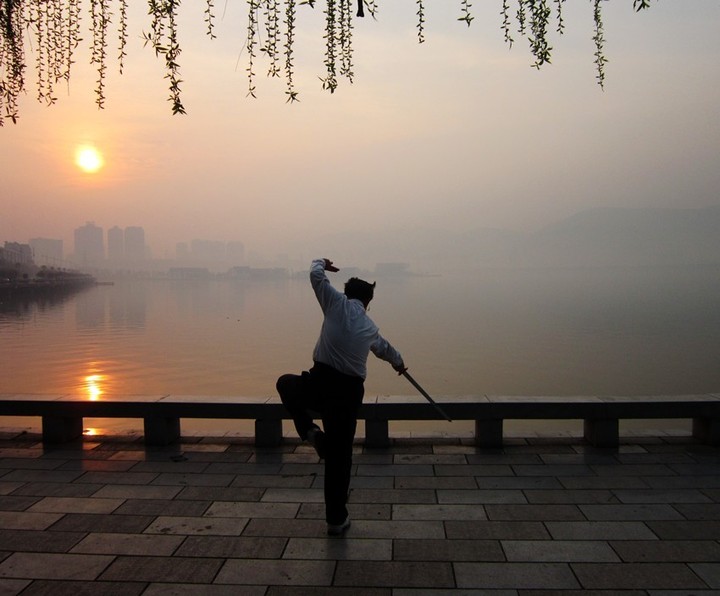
53,30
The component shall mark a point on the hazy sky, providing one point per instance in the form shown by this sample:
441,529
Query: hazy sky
457,133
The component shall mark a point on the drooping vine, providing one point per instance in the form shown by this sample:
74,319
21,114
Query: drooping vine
292,94
599,39
52,28
420,21
163,38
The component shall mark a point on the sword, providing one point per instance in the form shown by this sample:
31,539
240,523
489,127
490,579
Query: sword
424,393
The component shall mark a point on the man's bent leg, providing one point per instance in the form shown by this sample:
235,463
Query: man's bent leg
295,395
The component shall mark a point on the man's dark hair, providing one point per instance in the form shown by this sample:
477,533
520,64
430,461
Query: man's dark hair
360,289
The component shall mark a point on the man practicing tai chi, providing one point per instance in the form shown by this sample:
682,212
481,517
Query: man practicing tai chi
334,386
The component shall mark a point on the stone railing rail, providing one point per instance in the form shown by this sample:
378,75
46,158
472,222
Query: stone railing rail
62,415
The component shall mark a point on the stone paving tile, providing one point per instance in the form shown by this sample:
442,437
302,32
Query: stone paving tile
682,592
23,520
8,487
120,491
434,482
683,482
505,459
272,481
656,551
392,496
495,530
661,496
220,493
170,467
332,591
476,470
16,503
518,483
162,507
116,477
44,587
88,522
587,593
604,482
533,512
127,544
276,572
395,470
96,465
29,464
296,495
648,576
272,510
249,469
397,529
38,541
707,511
709,572
633,470
305,528
163,589
480,496
447,550
555,470
218,526
557,576
76,505
599,530
339,550
56,489
394,573
686,530
10,587
438,512
171,569
376,511
232,547
559,551
570,496
54,566
164,479
436,459
42,476
633,512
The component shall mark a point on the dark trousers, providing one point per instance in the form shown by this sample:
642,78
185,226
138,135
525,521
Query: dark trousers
336,397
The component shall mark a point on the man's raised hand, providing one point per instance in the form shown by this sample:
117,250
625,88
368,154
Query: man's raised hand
329,266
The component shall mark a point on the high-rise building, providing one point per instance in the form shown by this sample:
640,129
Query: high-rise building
115,244
134,243
89,245
18,253
47,251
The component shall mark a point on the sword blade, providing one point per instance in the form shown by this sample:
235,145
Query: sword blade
424,393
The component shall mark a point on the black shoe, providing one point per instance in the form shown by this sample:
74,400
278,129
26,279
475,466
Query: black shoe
316,438
338,529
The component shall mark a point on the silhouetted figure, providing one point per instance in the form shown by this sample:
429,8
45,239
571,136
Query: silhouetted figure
334,386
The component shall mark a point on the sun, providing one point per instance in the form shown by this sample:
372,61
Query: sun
89,159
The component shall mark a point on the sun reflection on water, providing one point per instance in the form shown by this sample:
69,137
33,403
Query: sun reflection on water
94,386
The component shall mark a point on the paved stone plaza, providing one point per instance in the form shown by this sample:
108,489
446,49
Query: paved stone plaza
430,517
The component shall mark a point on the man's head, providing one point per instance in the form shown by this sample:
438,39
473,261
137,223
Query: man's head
360,290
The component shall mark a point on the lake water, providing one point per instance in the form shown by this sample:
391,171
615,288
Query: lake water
508,332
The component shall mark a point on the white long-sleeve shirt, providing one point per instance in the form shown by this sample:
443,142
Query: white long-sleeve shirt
348,334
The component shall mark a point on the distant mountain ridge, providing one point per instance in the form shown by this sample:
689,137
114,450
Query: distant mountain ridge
630,236
604,237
